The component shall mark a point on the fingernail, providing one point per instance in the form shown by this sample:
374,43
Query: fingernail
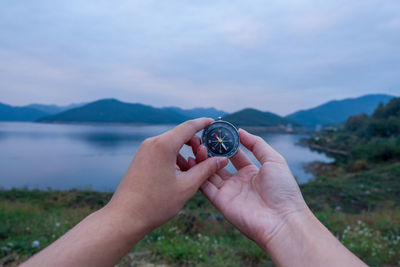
222,162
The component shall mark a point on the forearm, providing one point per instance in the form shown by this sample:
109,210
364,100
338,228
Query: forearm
101,239
304,241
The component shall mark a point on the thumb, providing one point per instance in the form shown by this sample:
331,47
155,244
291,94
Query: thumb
203,170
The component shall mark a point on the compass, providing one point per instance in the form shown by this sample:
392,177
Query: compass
221,139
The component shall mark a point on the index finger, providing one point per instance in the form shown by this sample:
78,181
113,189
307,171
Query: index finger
185,131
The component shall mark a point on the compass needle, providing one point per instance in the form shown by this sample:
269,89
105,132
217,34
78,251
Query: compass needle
223,145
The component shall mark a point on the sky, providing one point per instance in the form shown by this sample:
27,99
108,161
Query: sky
278,56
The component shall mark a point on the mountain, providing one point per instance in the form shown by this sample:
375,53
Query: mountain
42,110
198,112
337,111
53,109
112,110
254,117
9,113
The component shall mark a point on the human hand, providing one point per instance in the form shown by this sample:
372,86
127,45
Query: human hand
159,181
157,184
255,200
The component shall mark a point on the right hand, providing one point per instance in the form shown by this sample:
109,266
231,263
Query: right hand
257,201
158,182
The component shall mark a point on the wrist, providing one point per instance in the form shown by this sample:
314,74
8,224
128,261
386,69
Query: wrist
302,240
132,227
297,239
294,225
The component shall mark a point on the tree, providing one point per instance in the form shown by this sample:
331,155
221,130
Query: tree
355,122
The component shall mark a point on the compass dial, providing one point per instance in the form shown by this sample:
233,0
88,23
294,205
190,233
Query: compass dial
221,139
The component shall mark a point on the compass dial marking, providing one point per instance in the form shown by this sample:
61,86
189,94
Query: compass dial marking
221,139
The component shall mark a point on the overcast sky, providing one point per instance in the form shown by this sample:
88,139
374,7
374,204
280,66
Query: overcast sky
279,56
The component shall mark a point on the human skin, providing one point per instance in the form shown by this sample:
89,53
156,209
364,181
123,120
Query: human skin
265,204
156,186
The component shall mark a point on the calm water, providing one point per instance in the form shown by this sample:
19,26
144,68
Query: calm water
97,156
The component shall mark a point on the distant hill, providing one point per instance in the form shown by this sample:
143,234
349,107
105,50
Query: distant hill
9,113
254,117
53,109
112,110
337,111
372,138
42,110
198,112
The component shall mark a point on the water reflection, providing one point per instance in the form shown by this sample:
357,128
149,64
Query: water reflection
102,136
96,156
107,140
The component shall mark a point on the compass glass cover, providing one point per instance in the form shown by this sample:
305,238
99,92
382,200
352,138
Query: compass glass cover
221,139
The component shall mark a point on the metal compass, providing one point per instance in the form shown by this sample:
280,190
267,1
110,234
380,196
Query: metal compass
221,139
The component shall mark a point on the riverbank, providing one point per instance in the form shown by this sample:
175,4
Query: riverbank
360,208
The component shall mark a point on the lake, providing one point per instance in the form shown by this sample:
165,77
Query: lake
65,156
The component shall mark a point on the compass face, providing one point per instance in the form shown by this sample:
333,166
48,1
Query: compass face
221,139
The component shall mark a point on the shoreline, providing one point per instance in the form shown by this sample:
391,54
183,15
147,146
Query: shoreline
254,129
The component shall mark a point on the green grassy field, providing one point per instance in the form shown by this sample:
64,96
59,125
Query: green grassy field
360,208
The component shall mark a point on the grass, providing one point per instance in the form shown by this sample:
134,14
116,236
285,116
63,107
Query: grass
354,192
197,235
361,208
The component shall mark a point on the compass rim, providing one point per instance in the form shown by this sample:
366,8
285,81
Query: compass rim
235,148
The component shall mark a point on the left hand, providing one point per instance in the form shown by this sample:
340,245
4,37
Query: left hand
159,181
257,201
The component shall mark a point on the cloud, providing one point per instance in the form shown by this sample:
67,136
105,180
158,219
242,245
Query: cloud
392,24
314,24
278,56
242,32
